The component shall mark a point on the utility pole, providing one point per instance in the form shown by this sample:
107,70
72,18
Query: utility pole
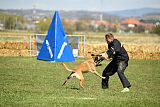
15,23
101,15
34,13
4,23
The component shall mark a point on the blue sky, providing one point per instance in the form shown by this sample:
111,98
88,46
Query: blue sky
91,5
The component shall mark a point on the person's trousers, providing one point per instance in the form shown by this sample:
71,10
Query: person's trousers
111,69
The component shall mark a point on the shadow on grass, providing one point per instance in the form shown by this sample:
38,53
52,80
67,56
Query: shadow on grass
75,88
72,87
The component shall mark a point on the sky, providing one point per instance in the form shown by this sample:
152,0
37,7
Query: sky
90,5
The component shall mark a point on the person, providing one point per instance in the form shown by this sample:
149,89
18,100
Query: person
118,64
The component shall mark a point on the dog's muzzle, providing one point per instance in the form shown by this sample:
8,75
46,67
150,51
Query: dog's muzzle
98,60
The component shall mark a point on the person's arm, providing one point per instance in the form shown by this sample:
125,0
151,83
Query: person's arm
105,55
116,47
110,52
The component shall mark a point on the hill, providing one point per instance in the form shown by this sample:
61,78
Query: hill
136,12
149,13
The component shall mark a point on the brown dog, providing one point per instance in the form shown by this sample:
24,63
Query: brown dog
86,66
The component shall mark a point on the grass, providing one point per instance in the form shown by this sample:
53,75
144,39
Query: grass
26,81
14,36
125,38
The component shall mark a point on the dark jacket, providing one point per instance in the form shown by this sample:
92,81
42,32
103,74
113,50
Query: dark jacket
117,51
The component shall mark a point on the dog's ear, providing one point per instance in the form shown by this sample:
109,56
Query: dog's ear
92,55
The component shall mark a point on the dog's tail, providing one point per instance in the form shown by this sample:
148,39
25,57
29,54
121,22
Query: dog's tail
66,67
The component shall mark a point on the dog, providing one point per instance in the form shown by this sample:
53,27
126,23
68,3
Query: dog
87,66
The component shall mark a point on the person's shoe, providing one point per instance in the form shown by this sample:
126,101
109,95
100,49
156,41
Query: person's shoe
104,88
125,90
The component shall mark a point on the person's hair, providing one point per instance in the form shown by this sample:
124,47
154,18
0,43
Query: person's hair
109,35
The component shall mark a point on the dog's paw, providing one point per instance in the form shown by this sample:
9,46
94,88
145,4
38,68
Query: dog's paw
103,77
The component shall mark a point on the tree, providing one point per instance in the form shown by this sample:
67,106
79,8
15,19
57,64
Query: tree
139,29
43,25
101,28
12,21
112,29
9,22
68,27
80,26
156,29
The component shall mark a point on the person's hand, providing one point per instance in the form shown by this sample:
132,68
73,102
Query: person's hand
104,55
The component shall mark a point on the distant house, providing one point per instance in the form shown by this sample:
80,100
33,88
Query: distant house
131,22
1,26
147,26
70,21
98,23
157,23
105,22
32,26
102,22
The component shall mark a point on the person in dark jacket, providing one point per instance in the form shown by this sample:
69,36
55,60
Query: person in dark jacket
118,64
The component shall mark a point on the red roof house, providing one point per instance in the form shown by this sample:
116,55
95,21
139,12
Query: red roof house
131,21
102,22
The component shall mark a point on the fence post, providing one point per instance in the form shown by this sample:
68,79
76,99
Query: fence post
30,46
84,47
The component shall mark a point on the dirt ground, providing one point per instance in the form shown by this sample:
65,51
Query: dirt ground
135,51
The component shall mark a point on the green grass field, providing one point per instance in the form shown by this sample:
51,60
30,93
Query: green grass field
26,81
91,37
